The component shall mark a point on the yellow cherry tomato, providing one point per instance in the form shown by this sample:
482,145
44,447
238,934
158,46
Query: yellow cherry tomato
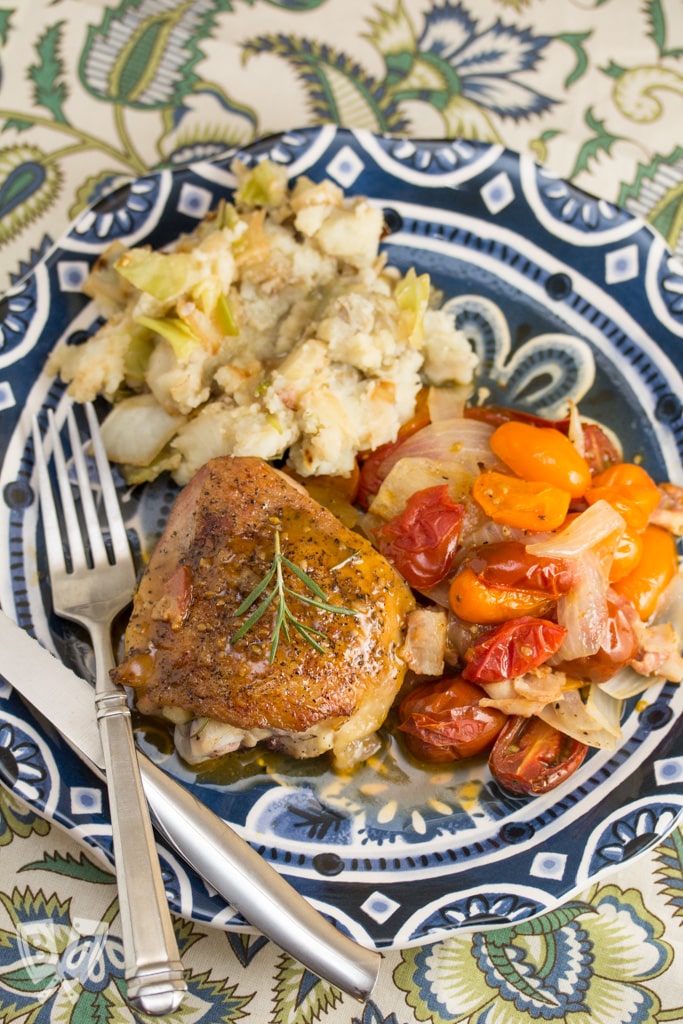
628,553
472,600
657,566
526,504
630,490
543,454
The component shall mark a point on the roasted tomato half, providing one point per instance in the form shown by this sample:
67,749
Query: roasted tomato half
530,757
443,721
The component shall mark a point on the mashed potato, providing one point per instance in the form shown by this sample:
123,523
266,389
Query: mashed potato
275,329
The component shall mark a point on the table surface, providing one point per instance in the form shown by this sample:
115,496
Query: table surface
593,90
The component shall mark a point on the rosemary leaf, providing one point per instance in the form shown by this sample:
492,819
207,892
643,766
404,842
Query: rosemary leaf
283,613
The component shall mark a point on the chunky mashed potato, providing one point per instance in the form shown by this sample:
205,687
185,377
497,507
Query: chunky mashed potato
274,329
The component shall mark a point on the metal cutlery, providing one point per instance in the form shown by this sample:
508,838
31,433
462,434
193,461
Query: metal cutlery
92,578
216,851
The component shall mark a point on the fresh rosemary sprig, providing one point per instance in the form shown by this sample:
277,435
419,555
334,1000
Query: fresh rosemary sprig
279,593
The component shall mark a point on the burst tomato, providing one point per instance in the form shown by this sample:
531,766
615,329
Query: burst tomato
511,649
508,564
421,541
443,721
531,757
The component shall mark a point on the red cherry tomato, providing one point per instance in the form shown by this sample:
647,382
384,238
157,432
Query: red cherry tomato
598,450
507,563
531,757
511,649
619,647
495,415
442,720
422,540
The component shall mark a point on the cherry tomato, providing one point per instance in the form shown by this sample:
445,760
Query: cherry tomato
627,554
618,648
422,540
527,504
531,757
495,415
542,454
373,465
442,720
658,565
630,490
598,451
475,601
511,649
508,564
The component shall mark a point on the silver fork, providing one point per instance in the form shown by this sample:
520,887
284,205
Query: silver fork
91,588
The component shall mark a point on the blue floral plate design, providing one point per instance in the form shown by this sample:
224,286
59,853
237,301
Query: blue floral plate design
564,297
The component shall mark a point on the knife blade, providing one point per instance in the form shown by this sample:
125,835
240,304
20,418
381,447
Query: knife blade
203,840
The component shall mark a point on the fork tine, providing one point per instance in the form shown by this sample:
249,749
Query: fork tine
72,528
96,544
51,528
117,529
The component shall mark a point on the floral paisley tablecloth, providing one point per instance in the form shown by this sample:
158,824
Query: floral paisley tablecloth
95,92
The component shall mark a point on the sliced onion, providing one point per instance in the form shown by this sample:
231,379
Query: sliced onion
412,474
457,439
599,526
582,721
583,611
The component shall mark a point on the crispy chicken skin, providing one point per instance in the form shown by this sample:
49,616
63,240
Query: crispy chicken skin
218,544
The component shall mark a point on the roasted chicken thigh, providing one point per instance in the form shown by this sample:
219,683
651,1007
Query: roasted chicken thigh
182,656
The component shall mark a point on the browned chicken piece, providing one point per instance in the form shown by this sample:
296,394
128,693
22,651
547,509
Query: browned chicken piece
180,651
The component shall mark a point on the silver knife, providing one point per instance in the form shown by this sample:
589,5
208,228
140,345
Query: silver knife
202,839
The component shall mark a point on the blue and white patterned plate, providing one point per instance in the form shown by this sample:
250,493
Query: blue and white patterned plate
565,297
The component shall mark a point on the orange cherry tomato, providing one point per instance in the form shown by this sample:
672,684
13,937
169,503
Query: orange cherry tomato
527,504
542,454
472,600
630,490
627,555
658,565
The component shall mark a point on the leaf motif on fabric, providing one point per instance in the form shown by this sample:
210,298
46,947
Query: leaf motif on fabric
300,996
338,89
670,875
18,819
144,57
29,183
83,869
50,89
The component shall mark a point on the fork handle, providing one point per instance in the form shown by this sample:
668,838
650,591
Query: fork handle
153,971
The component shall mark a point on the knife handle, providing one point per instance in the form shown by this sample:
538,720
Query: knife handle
255,889
153,971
